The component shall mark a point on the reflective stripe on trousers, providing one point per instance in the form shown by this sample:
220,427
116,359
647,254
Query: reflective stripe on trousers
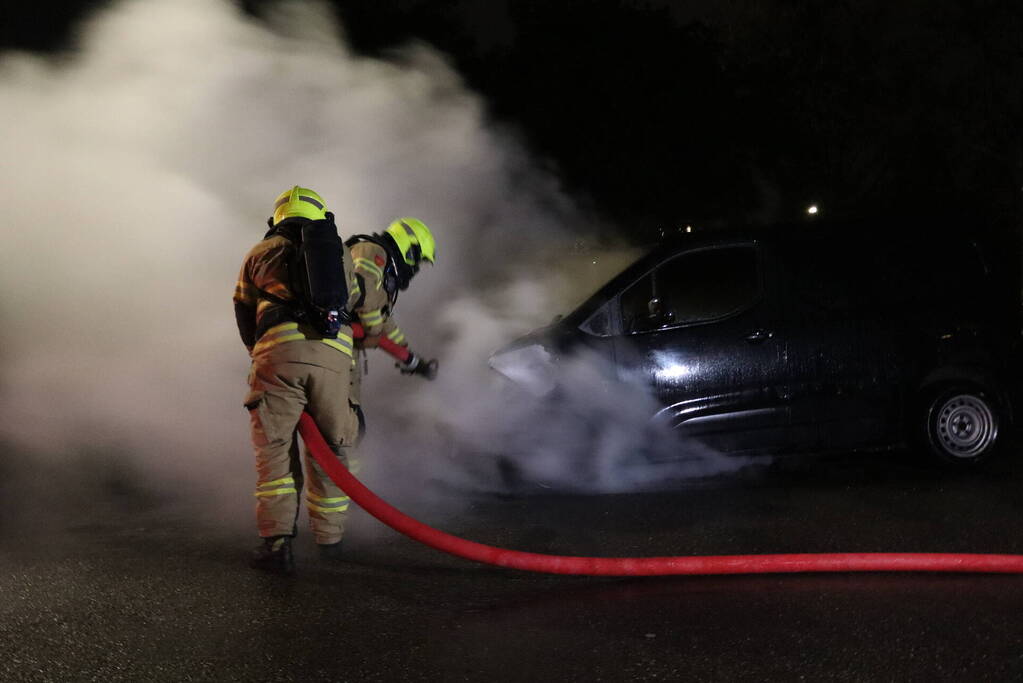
326,505
277,487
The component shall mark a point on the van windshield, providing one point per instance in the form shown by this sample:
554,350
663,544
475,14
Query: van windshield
589,277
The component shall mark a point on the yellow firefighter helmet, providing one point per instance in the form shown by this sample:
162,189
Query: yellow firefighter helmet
299,201
414,240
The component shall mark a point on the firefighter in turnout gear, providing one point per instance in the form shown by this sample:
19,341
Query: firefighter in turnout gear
384,265
292,302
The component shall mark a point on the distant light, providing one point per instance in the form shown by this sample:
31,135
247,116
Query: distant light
812,209
594,261
689,228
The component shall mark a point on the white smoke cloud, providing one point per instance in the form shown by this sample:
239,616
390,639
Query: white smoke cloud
140,169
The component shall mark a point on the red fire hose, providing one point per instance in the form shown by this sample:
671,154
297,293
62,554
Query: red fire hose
642,566
398,351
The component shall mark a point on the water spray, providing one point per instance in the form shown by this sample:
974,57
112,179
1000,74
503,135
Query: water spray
642,566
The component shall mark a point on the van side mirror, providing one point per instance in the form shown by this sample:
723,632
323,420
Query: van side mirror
654,308
659,315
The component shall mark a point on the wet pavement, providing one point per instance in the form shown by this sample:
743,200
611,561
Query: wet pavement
153,596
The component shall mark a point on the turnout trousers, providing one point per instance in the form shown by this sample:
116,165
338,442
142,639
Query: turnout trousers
285,380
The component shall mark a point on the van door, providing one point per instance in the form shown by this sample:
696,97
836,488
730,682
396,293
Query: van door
698,329
842,339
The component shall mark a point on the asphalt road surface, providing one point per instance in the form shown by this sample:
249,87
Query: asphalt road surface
135,590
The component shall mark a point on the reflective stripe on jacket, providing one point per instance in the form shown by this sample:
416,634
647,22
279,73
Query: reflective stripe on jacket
374,309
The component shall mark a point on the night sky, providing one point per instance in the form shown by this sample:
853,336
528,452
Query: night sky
660,114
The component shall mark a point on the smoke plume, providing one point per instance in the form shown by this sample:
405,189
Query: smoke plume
140,169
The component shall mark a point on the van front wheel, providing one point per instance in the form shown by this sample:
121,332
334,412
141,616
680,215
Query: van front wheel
962,426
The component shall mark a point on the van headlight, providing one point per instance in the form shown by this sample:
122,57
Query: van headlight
531,367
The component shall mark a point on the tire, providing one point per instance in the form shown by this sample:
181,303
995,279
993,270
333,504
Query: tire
963,425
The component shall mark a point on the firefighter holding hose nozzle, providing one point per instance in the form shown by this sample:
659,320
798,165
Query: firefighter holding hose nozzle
292,304
385,265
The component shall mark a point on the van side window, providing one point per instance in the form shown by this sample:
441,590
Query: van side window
827,279
599,323
878,279
695,287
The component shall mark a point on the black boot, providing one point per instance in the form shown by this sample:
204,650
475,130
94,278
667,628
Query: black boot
331,551
274,556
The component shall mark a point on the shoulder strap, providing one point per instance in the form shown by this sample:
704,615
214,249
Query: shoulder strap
274,299
293,310
290,229
355,239
362,290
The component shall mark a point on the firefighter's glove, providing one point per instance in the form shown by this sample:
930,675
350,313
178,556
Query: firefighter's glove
418,366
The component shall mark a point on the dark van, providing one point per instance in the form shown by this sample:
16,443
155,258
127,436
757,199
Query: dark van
820,338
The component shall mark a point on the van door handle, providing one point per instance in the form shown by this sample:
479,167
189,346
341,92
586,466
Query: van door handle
758,336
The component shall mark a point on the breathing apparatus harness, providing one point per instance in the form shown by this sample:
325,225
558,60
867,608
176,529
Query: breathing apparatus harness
315,276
